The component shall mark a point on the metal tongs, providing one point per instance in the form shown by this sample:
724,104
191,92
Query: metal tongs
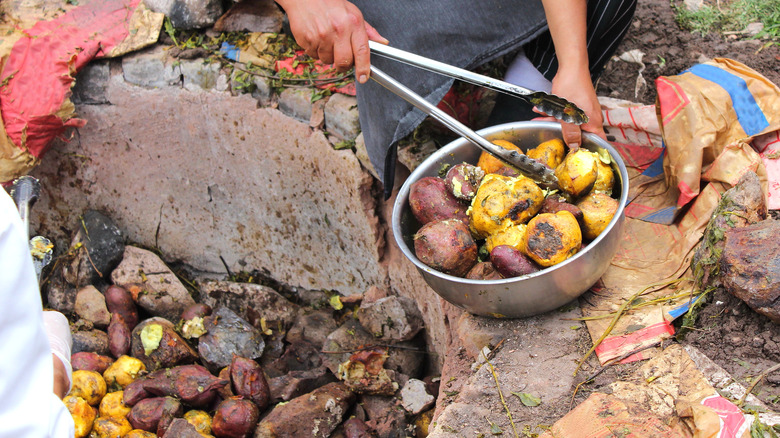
548,103
25,191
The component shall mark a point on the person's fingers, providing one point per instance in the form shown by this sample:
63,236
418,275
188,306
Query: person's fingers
572,135
342,54
362,56
374,35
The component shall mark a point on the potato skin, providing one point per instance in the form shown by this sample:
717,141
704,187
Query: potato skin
110,427
83,414
138,433
235,418
90,361
462,181
430,201
491,164
446,246
118,336
248,381
578,172
510,262
88,385
605,180
123,371
483,271
120,300
512,236
552,238
555,203
113,405
550,152
598,209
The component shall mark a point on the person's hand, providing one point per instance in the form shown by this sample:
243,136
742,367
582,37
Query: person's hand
334,32
58,331
578,89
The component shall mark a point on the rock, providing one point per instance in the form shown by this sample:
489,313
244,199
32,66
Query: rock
384,416
151,68
393,318
166,348
357,428
296,103
474,336
91,306
101,249
251,16
299,356
199,75
341,116
251,302
413,154
188,14
91,84
362,155
228,334
415,397
315,414
750,266
351,337
95,341
296,383
740,205
153,285
313,327
60,295
181,428
754,29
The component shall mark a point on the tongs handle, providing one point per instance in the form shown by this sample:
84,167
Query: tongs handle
527,166
550,104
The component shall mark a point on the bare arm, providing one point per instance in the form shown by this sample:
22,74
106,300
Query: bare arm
332,31
567,22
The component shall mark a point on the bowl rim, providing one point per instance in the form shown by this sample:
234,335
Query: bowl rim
403,196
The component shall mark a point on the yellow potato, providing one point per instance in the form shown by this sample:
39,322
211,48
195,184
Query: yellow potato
491,164
88,385
503,201
110,427
512,236
578,172
83,414
605,180
138,433
113,405
123,371
200,419
552,238
550,152
598,209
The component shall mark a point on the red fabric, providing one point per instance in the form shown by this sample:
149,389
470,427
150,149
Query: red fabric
325,71
39,71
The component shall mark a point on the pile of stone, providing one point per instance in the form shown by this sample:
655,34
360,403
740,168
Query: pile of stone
353,364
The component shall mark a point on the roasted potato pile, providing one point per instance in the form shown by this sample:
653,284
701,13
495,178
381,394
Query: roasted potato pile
487,221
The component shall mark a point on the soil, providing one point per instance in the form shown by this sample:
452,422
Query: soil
741,341
669,50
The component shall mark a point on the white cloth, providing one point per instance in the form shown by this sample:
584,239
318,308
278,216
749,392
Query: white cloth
28,406
522,72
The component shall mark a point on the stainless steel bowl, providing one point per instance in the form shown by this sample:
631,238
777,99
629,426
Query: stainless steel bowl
531,294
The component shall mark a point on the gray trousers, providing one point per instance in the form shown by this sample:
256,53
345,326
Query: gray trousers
466,34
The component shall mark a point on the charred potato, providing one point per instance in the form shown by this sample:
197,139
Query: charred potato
501,202
491,164
446,246
578,172
483,271
551,152
110,427
597,211
552,238
430,201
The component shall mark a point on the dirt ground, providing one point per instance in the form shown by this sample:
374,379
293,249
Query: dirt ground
741,341
668,50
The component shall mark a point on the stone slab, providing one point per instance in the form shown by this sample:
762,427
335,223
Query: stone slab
206,175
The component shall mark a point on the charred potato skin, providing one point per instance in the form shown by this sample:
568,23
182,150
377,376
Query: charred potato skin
501,202
446,246
550,152
598,209
552,238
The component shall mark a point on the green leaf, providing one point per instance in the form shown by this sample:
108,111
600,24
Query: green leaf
495,430
527,399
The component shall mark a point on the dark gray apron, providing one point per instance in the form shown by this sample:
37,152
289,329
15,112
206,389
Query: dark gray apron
459,32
